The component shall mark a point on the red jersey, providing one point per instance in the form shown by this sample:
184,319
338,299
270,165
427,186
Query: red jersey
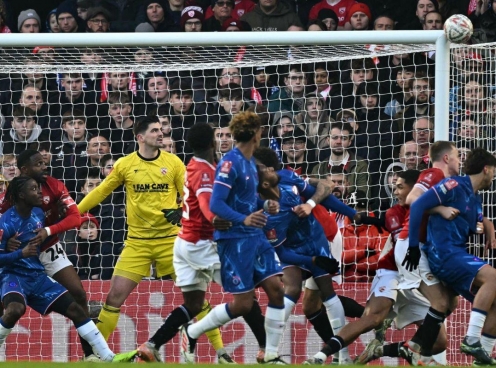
341,10
197,218
53,192
327,221
427,179
241,7
395,217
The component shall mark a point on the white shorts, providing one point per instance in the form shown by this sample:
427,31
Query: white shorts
408,279
336,249
54,259
411,306
385,284
195,265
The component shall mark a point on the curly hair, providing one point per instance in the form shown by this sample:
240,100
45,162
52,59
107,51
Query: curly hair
244,126
15,188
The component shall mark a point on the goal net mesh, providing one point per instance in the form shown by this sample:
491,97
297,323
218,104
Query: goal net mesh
77,106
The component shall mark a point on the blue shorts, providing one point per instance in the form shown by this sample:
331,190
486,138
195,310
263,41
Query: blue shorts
457,270
38,292
246,262
317,247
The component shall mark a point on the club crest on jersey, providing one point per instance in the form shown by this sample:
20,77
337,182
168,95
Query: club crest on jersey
46,199
226,167
240,12
394,222
205,178
342,10
295,190
271,235
450,184
163,170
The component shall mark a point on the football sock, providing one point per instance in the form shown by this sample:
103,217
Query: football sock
88,331
169,328
107,320
213,335
217,317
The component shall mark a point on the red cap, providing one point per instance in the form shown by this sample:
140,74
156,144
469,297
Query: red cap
359,7
85,217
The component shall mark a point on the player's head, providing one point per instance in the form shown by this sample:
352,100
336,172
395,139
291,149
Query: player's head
267,157
404,184
148,131
481,162
246,127
201,138
31,163
444,152
24,190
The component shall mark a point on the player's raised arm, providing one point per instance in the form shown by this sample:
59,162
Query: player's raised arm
72,218
97,195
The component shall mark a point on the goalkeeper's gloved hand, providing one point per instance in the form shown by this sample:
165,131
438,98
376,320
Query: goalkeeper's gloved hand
329,265
378,222
412,258
173,215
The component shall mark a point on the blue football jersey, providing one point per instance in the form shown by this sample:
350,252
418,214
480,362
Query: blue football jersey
238,174
10,224
454,192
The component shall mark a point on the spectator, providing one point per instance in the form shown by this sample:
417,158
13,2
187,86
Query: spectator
433,21
192,19
323,81
316,25
233,25
221,12
83,7
24,132
4,28
298,153
230,103
423,135
144,27
98,20
290,97
107,162
361,70
418,105
67,18
3,184
157,91
8,165
125,83
329,18
98,146
161,19
283,123
339,155
89,182
126,14
272,15
423,7
45,149
314,120
359,17
70,152
348,116
52,25
409,156
168,145
28,22
262,87
31,98
467,133
386,197
401,89
223,139
119,128
340,7
362,244
241,7
383,23
338,177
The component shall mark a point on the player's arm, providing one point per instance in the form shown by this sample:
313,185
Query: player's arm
322,191
331,203
97,195
449,213
414,194
424,203
72,218
288,256
219,207
489,234
7,258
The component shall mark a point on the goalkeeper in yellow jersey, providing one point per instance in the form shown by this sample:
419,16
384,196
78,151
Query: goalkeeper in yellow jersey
153,180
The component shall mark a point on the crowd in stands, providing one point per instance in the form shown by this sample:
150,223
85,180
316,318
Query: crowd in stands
355,123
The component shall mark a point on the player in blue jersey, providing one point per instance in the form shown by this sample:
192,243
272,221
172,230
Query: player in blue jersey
247,258
23,278
446,245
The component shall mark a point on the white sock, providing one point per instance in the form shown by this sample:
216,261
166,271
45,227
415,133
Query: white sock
217,317
274,328
288,307
335,313
487,342
441,358
475,324
4,332
90,333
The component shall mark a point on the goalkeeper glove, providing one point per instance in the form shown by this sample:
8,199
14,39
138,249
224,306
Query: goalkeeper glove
329,265
173,215
412,258
378,222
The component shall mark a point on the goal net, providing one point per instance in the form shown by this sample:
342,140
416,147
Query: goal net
354,114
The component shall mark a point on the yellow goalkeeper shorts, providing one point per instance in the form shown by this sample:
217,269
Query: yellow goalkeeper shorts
139,254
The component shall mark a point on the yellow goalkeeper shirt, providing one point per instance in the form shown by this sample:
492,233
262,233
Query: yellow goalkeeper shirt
151,185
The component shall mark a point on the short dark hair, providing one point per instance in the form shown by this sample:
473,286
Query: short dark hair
23,112
362,64
409,176
24,158
90,173
368,88
73,115
181,87
342,126
142,124
440,148
477,159
200,137
231,91
268,157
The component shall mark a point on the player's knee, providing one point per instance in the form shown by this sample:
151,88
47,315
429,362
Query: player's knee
309,309
372,320
194,306
14,311
80,298
292,291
